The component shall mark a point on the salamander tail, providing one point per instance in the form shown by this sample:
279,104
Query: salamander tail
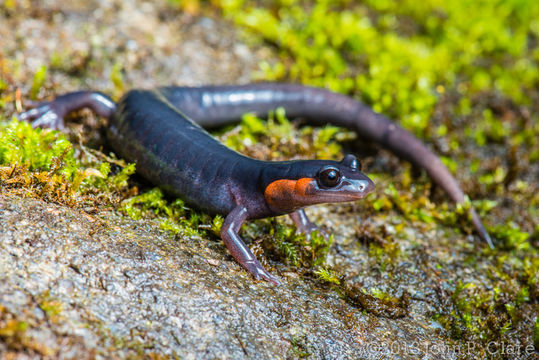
483,234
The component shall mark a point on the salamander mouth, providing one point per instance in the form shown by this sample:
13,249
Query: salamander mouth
348,190
332,197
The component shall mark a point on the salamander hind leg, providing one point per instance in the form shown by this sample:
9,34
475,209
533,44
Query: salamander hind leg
51,114
238,249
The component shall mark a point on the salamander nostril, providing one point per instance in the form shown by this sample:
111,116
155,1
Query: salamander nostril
363,186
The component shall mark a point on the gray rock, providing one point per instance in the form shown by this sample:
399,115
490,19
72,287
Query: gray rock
117,288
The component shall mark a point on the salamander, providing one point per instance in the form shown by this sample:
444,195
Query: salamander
163,132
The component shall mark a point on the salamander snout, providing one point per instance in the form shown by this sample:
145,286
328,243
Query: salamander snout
363,186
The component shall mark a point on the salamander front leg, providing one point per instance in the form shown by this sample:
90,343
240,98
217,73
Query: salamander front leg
304,225
238,249
51,114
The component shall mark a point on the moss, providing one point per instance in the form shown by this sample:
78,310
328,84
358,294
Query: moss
34,149
39,79
51,308
511,236
297,349
379,304
327,275
277,138
173,216
487,314
42,162
117,79
371,50
283,242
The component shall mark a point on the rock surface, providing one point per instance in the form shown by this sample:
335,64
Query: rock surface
107,286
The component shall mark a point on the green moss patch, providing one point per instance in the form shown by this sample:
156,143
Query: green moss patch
42,163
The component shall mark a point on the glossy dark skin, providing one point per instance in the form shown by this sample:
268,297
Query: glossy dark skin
155,130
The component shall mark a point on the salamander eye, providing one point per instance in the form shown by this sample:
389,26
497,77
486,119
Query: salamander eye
329,177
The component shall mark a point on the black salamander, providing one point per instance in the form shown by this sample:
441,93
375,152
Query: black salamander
162,132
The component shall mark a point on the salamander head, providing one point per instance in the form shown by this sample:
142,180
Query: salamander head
317,182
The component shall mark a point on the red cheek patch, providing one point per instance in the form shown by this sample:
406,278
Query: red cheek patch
302,186
287,195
